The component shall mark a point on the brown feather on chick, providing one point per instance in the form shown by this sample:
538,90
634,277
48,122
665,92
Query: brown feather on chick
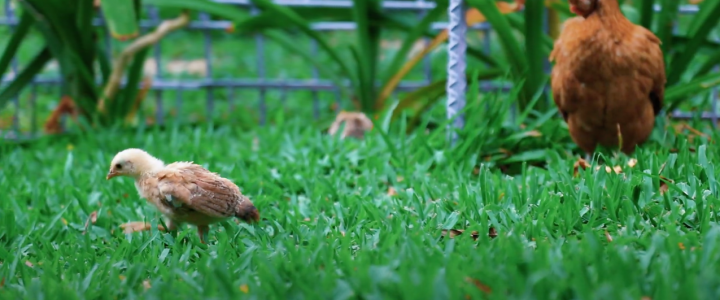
183,191
609,73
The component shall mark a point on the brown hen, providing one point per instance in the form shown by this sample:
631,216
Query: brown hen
183,191
609,75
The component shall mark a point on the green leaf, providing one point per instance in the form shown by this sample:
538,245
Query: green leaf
703,22
283,13
513,52
25,76
666,23
413,36
121,19
536,57
126,99
368,34
16,39
646,13
696,86
531,155
424,97
710,63
289,44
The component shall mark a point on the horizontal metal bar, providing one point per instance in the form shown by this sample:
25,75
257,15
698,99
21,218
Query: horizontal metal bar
404,5
222,25
310,84
400,5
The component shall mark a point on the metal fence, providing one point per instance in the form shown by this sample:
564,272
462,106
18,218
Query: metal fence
456,63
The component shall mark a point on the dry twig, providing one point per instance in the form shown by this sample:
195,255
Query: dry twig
113,84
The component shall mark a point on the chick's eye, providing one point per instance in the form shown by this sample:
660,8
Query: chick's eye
118,166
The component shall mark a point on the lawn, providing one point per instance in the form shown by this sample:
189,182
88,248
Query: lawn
349,219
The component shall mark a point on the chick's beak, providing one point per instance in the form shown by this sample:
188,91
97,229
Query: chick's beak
111,174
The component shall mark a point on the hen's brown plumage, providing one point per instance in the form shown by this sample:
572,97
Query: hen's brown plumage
183,191
609,73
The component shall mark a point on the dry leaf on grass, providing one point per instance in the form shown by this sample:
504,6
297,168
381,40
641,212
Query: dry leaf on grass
2,282
29,264
455,232
91,220
608,237
580,163
663,185
681,246
693,132
478,284
534,133
391,191
632,163
131,227
492,232
65,107
244,288
146,284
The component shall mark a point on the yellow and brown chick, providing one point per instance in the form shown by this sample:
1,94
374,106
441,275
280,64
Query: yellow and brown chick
609,75
183,191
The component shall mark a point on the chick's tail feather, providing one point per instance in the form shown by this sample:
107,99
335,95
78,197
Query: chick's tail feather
247,212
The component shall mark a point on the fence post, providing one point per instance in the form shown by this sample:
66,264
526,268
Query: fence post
456,82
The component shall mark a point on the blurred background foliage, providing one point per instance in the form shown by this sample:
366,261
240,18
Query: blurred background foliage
367,64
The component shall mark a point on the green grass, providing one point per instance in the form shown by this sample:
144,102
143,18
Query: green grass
330,230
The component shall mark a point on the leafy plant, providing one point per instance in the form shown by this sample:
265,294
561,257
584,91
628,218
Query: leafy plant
81,56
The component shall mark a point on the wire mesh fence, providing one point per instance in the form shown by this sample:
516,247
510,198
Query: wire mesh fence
163,86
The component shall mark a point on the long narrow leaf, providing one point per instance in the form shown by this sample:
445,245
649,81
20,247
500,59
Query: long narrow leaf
507,39
712,62
284,41
705,20
646,13
120,17
411,37
134,75
414,98
234,14
25,77
696,86
666,23
536,58
26,21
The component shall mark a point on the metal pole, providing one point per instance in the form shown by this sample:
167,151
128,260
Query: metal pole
456,83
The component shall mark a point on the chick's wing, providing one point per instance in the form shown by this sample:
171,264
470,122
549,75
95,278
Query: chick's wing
199,189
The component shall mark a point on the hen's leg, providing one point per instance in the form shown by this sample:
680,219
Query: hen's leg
203,233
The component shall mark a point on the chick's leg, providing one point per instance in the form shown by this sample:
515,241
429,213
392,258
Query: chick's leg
203,233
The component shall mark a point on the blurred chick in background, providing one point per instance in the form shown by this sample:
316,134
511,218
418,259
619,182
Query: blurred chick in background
609,77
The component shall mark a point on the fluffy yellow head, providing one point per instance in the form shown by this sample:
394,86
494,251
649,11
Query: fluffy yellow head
133,163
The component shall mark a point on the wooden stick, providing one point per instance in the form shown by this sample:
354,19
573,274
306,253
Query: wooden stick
113,84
